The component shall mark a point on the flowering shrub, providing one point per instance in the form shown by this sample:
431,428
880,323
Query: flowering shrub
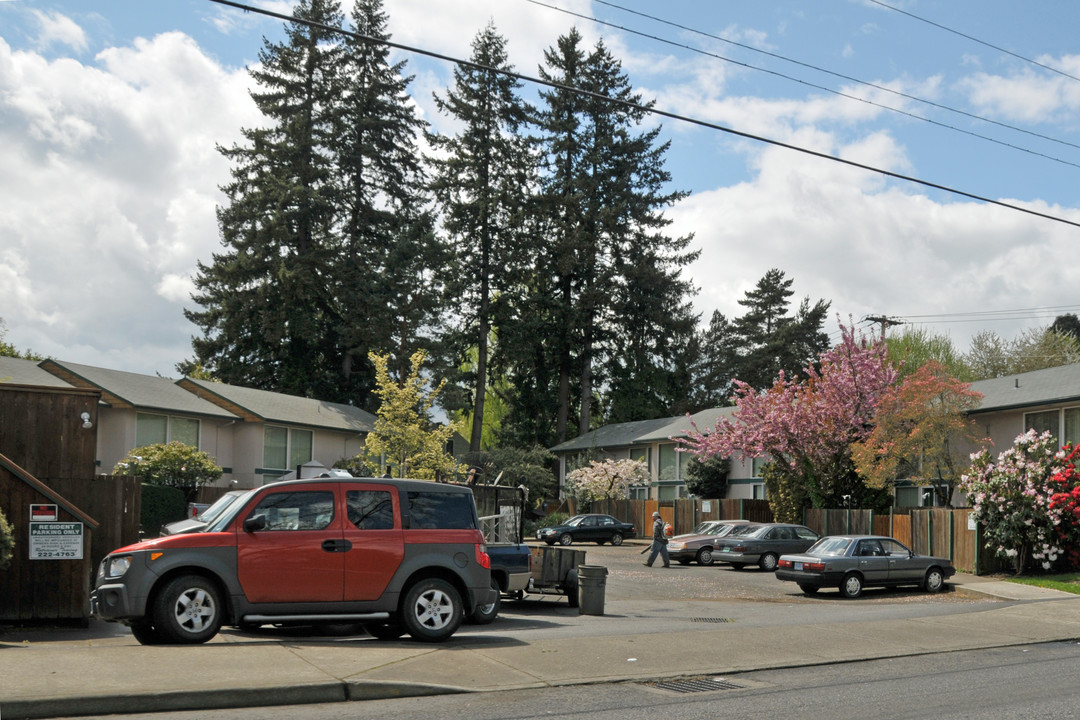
1065,505
610,479
1012,499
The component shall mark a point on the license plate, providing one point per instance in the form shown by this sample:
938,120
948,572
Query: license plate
798,566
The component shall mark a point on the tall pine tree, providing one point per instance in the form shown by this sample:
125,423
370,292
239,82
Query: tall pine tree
481,177
267,310
389,286
770,340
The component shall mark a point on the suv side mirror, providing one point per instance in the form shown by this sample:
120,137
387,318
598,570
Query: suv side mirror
255,522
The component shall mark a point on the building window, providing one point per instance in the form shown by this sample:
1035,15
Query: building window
668,464
759,492
1072,426
152,429
756,465
1040,422
286,448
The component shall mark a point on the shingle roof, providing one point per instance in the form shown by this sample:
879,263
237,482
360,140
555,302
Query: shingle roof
1039,387
27,372
267,406
643,431
132,390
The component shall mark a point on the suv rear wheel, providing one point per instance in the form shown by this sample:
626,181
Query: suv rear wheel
432,610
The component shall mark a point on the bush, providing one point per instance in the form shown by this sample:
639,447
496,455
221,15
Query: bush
160,506
170,464
7,541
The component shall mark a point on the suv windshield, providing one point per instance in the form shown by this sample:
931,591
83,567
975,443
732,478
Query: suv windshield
228,513
210,514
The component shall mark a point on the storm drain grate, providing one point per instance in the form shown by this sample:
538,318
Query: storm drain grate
694,685
712,620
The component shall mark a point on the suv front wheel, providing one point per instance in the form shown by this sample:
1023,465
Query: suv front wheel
432,610
187,610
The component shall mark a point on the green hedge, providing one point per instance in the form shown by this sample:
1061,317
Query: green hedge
161,505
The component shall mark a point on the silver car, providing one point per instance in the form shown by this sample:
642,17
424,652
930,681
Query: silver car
698,546
853,562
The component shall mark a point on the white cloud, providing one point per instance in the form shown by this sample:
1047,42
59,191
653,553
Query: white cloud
110,180
871,247
57,29
1029,95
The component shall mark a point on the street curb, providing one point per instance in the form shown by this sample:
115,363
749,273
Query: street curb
185,700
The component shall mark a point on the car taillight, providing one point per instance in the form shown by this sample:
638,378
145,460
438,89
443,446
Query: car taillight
813,566
482,558
739,548
786,564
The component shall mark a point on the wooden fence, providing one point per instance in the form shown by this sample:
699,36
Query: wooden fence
115,501
943,532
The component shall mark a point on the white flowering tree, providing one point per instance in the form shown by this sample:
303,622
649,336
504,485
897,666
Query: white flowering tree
1012,499
606,480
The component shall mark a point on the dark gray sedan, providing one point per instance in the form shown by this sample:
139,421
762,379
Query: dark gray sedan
762,545
852,562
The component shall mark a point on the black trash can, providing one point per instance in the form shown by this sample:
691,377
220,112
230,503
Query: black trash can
592,579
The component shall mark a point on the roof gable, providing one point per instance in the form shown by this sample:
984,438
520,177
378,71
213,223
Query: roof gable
121,389
28,372
640,432
1040,387
265,406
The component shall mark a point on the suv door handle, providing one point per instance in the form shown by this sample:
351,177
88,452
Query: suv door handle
338,545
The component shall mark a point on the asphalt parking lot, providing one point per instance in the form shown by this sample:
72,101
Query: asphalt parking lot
629,579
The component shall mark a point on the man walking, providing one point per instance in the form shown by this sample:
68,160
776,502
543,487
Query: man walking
659,542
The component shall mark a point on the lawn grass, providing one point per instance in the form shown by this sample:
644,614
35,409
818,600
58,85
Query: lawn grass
1067,582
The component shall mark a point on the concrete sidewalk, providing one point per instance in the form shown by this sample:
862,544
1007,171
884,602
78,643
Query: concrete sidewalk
75,672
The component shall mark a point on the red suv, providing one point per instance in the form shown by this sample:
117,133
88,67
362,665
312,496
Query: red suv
395,555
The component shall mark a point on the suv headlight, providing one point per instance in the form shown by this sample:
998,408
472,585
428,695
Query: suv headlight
117,566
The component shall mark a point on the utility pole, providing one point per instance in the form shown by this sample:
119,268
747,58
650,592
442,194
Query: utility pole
885,321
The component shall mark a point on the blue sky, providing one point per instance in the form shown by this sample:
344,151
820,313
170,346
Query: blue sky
110,112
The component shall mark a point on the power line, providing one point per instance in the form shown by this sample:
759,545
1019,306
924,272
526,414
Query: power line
826,71
973,39
643,108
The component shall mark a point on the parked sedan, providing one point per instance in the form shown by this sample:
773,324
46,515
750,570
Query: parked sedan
587,528
699,545
852,562
763,544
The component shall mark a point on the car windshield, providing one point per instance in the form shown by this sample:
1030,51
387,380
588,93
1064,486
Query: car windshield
576,520
723,530
229,513
830,547
210,514
704,527
744,529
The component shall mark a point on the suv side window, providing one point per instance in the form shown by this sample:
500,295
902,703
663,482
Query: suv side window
304,510
370,509
443,511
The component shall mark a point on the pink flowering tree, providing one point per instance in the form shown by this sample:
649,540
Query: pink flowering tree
1012,497
807,428
606,480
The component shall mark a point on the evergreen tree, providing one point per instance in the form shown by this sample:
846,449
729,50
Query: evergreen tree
716,365
619,301
482,176
268,316
389,285
770,340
